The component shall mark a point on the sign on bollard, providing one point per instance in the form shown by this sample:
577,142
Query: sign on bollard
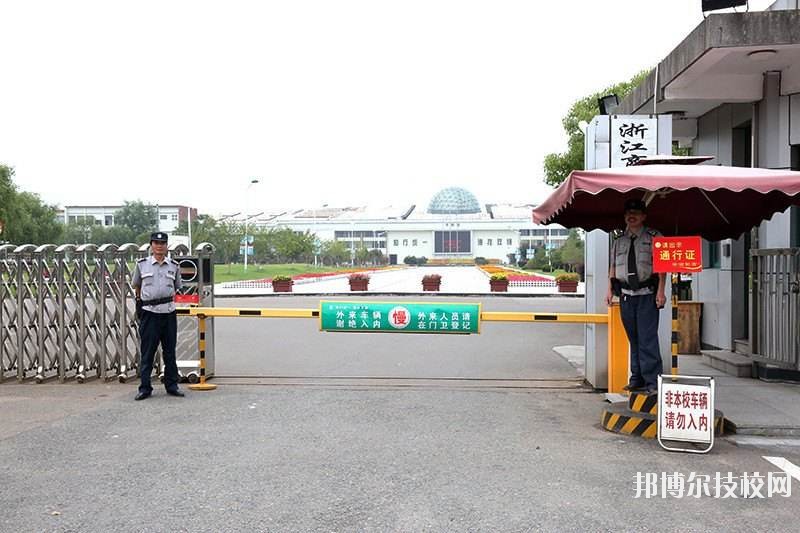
686,412
400,317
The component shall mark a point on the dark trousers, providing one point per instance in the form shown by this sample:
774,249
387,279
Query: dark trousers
640,318
155,328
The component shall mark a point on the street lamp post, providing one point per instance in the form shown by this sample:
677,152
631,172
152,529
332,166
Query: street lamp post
247,196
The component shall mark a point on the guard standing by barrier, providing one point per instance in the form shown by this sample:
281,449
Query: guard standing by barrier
156,279
641,295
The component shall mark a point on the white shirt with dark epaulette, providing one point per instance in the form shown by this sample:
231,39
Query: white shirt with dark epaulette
644,258
157,280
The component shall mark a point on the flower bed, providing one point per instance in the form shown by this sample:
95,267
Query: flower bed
519,279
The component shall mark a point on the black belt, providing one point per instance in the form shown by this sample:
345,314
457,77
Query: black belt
651,282
158,301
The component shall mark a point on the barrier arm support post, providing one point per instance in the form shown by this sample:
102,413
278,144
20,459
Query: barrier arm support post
618,350
201,344
676,335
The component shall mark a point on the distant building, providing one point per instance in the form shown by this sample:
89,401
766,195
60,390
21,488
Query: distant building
169,216
453,226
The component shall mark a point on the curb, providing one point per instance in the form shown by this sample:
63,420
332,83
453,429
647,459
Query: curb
618,418
415,294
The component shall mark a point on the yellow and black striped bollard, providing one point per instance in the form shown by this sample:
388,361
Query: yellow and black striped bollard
675,328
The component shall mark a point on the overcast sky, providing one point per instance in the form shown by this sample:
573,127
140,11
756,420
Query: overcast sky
337,102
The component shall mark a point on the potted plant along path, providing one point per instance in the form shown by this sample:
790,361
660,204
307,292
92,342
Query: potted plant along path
359,281
431,282
499,282
568,282
281,283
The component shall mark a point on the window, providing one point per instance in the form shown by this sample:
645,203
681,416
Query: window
711,254
174,216
405,242
396,242
73,219
499,241
414,242
488,242
109,220
163,217
480,242
452,242
524,232
508,242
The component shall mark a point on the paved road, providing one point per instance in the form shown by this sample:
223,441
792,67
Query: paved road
296,347
454,280
249,458
356,456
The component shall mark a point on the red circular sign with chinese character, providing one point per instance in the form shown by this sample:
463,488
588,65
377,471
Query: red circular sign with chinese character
399,317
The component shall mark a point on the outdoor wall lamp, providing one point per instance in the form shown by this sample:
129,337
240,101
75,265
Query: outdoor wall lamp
608,104
713,5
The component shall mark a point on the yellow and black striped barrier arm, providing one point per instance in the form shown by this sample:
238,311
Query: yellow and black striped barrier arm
489,316
252,313
570,318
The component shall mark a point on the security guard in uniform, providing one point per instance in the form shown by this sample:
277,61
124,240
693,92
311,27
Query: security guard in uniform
641,296
156,279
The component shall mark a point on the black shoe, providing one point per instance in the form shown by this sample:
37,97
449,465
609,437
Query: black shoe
176,392
652,389
142,396
630,387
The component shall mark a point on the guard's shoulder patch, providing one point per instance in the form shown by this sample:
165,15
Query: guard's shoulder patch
653,232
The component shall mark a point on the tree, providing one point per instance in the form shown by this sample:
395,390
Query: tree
572,250
558,166
538,261
362,253
138,216
376,257
293,247
202,228
555,258
7,193
226,237
334,253
25,219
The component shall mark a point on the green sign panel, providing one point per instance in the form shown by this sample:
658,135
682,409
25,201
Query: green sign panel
400,317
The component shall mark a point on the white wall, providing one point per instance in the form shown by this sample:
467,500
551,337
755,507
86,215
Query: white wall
424,245
722,290
494,251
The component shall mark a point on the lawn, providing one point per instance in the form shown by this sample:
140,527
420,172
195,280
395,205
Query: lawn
235,272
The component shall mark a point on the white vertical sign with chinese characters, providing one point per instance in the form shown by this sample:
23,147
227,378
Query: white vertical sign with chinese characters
686,411
632,137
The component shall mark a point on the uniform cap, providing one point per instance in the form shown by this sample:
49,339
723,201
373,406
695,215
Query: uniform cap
635,205
159,236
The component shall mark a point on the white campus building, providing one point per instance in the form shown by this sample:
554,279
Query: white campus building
453,226
168,216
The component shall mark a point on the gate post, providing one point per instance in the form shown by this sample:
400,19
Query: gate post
618,350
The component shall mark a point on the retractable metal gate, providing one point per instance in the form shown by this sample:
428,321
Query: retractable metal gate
775,307
69,311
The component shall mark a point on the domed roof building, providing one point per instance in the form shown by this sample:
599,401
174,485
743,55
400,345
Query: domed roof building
454,201
455,227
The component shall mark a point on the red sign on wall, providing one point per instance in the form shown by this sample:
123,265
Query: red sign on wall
677,254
